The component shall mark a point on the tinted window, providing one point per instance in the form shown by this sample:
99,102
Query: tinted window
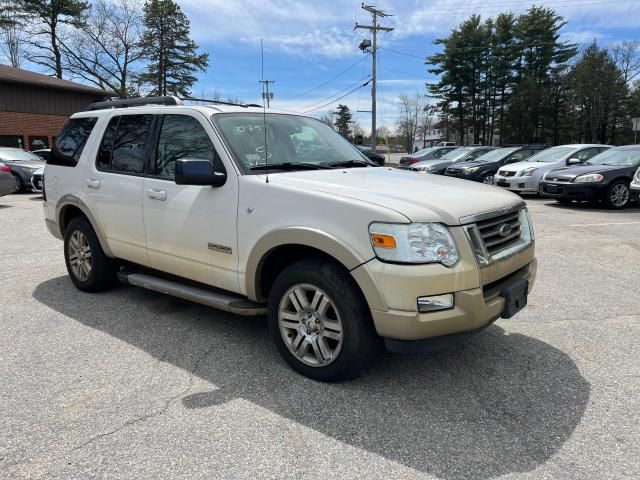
104,154
130,143
181,136
586,154
69,144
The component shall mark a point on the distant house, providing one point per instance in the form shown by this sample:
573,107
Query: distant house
35,107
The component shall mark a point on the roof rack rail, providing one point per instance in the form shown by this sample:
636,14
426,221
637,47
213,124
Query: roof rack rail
134,102
219,102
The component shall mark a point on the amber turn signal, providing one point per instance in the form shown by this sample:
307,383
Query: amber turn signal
383,241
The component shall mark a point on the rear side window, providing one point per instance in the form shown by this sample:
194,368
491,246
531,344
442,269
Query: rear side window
69,144
181,136
124,144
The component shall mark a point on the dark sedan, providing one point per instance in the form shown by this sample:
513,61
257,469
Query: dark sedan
606,177
7,185
485,167
429,153
375,157
460,154
22,165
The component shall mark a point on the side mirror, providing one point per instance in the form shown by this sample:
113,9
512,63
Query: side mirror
193,171
573,161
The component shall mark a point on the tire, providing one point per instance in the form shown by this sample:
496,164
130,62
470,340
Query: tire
488,178
88,267
618,195
563,201
19,184
316,309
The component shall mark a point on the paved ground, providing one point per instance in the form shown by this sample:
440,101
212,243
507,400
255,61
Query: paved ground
132,384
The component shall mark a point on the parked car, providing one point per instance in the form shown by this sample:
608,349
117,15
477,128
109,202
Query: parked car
429,153
7,184
22,164
446,144
635,185
43,153
605,177
37,180
485,167
524,177
342,257
375,157
460,154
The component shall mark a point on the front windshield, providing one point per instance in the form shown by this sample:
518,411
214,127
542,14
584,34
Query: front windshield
291,140
18,155
623,158
551,155
496,155
456,154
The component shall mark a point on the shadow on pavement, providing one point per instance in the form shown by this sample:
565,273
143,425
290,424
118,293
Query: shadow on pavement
503,403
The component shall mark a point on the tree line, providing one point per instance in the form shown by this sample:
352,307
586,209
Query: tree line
122,46
511,79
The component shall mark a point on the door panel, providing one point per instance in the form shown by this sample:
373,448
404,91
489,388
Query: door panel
114,186
191,230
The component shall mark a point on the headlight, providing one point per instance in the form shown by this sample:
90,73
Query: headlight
423,169
471,169
588,178
527,172
413,243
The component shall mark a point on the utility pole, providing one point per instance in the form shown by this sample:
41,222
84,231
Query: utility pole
266,95
374,28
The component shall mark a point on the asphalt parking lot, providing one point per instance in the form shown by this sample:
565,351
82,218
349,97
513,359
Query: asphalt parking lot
133,384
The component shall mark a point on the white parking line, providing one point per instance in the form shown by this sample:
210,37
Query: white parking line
603,224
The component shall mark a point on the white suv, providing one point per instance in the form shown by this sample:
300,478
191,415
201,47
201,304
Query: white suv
258,212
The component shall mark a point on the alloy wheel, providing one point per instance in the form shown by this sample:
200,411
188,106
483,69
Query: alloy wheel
310,325
619,195
79,256
488,180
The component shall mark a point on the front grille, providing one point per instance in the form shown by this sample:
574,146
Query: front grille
500,232
452,172
497,236
508,174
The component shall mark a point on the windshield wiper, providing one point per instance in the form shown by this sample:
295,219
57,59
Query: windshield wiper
350,163
290,166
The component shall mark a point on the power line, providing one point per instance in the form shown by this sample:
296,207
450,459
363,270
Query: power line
454,7
491,9
327,82
339,98
337,93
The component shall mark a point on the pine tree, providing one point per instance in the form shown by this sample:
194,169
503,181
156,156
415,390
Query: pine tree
172,54
343,120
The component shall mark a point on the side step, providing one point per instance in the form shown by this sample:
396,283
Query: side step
222,301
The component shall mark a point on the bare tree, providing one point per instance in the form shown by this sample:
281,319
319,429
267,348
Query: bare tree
626,56
426,120
105,49
328,119
13,37
411,109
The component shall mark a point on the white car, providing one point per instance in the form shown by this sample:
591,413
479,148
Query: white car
635,186
272,213
525,176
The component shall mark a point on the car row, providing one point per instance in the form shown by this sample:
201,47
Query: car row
459,154
25,168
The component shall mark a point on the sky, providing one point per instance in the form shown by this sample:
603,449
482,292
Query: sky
311,48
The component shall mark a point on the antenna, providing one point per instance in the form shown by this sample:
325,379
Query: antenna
264,111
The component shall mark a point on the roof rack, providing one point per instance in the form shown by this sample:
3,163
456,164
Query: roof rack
134,102
141,101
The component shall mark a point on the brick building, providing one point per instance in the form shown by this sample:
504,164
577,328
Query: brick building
34,107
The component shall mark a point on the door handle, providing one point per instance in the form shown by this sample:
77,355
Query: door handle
156,194
92,183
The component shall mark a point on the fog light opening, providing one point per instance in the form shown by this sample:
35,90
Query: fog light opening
435,302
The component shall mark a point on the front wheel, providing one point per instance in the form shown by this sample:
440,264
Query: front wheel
19,184
488,179
320,321
618,195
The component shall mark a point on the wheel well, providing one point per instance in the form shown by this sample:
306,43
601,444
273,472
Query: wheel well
279,258
67,214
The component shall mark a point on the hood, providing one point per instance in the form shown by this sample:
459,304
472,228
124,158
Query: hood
25,163
420,198
519,166
567,174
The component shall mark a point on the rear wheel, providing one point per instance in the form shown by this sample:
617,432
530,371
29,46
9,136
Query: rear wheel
320,322
618,195
88,266
19,184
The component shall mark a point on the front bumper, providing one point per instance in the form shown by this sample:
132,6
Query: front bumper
474,177
573,191
392,290
635,190
517,184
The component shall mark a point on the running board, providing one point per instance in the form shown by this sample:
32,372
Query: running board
222,301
